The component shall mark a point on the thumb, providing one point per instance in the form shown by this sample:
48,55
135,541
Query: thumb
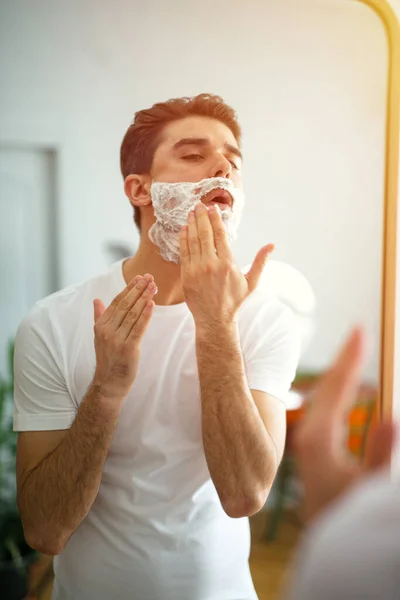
380,446
258,265
99,308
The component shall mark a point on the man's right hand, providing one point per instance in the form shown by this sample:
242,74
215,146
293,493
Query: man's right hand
118,331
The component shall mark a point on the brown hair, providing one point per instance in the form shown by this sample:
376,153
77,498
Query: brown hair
144,134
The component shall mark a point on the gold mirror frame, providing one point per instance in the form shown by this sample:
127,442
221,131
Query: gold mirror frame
387,337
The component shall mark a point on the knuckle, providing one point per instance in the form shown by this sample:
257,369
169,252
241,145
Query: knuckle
135,335
225,269
209,266
131,314
103,335
124,304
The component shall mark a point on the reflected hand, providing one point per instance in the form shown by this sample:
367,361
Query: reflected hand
324,466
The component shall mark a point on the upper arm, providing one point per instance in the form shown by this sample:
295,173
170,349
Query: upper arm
273,413
271,351
42,401
271,359
43,407
32,448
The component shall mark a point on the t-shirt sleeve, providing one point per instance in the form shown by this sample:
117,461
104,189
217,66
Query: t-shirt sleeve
41,397
272,351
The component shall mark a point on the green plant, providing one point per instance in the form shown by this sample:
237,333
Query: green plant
15,554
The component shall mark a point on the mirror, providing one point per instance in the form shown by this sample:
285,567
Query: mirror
317,96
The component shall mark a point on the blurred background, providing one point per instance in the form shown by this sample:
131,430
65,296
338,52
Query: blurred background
308,81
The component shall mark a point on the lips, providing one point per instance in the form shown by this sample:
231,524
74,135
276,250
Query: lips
220,197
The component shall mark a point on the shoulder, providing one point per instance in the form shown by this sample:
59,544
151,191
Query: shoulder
374,500
281,308
372,496
282,281
262,302
352,549
265,314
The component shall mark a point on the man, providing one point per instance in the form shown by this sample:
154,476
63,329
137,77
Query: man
352,547
146,442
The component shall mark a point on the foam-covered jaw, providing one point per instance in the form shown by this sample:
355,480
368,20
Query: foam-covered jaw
172,203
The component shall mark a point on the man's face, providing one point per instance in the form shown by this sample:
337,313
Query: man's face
196,148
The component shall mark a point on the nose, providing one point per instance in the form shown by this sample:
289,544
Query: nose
221,167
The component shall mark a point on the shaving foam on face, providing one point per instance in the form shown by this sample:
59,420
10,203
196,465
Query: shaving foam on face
172,203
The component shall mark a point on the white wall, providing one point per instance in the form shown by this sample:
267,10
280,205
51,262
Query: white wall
309,87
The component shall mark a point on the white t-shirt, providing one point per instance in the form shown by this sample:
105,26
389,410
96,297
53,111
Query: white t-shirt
156,530
352,552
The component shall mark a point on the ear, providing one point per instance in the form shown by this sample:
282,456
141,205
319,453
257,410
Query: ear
137,189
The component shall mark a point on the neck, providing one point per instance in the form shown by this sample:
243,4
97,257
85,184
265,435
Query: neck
167,275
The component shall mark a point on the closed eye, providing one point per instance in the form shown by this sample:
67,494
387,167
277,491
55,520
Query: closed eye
192,157
200,157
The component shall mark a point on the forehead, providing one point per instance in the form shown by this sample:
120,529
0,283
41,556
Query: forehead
216,132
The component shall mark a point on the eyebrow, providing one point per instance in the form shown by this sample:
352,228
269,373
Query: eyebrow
205,142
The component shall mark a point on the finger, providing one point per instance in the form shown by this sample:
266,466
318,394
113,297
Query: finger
205,231
193,240
380,446
183,245
336,391
127,302
255,272
112,307
220,238
98,309
142,323
133,314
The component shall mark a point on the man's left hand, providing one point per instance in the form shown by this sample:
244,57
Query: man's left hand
213,285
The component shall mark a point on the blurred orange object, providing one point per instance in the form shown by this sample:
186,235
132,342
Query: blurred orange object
360,417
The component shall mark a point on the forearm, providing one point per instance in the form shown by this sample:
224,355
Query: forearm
57,494
240,453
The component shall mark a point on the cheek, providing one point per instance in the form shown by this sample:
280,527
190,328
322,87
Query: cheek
191,173
176,170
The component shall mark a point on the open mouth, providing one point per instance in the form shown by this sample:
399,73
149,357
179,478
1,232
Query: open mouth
220,197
